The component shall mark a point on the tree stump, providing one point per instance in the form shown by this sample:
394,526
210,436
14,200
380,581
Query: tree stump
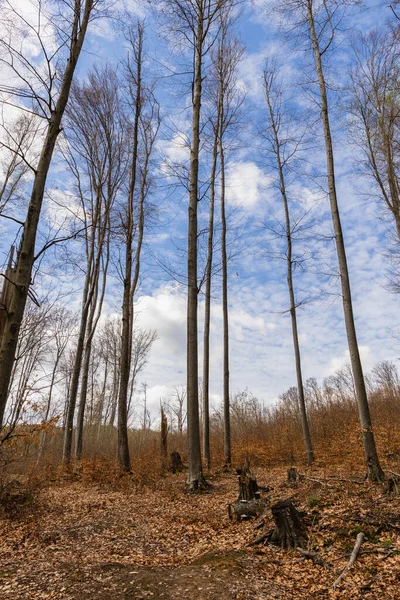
176,464
290,531
249,503
293,476
248,487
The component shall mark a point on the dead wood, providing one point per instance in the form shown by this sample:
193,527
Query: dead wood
367,586
245,509
249,503
293,476
315,557
176,464
353,558
262,539
248,487
289,531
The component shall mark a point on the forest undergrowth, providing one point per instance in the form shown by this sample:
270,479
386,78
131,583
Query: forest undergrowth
92,534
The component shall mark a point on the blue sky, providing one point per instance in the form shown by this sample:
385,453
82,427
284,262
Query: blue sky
261,352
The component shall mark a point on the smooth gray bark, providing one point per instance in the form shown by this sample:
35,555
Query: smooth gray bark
268,78
207,304
374,469
195,472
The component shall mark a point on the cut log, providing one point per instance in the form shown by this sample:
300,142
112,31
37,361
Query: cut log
289,531
244,509
176,464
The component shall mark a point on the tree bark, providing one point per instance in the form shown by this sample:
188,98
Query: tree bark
293,312
26,254
207,309
225,314
374,470
289,529
195,471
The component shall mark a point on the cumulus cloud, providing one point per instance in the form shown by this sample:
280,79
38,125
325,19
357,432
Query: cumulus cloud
246,183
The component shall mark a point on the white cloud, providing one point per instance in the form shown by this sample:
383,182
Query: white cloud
338,362
246,183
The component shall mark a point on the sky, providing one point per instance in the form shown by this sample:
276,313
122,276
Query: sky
261,347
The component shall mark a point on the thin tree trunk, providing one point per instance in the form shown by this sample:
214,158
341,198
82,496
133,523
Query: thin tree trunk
195,472
46,416
73,390
91,330
127,312
207,306
293,312
225,312
374,469
26,254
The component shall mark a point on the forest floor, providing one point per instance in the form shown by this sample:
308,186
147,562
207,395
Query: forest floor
82,539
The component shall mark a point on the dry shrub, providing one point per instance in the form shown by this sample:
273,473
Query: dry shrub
270,436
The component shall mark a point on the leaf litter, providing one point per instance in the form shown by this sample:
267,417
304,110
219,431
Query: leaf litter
84,540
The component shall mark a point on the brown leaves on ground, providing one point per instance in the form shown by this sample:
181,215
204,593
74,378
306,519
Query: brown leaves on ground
83,540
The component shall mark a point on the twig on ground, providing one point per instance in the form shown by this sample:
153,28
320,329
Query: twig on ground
321,481
353,558
367,586
315,557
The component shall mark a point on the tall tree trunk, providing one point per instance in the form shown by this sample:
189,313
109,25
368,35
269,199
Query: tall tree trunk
207,304
195,471
225,313
89,290
127,308
96,307
73,389
374,469
293,312
26,254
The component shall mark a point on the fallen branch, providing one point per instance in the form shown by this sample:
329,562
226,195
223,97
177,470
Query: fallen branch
367,586
315,557
352,560
264,538
320,481
393,473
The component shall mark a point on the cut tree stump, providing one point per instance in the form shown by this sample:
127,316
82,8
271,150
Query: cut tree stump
293,476
289,531
248,487
249,503
176,464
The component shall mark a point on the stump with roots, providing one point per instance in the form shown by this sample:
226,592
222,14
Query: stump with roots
249,503
289,531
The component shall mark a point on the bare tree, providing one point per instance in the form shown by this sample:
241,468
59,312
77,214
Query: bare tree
283,148
142,342
176,407
228,55
214,120
386,377
144,129
319,21
376,107
61,325
96,156
18,140
195,21
49,100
